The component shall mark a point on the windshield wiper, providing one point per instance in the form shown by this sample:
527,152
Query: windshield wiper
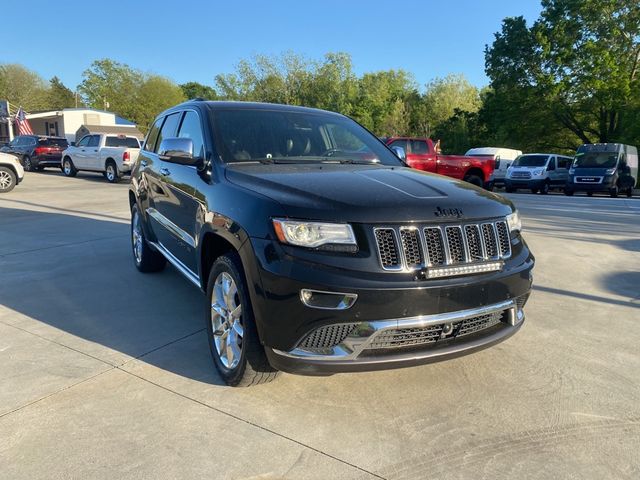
352,161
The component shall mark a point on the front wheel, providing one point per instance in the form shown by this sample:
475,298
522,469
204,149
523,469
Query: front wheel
545,188
8,180
234,344
534,190
509,189
630,192
614,192
68,168
568,193
146,259
589,194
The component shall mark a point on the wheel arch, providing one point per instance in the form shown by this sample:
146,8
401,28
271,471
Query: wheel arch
477,171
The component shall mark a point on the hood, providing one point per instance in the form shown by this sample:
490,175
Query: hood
367,193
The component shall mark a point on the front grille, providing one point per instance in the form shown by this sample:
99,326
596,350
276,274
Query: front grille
327,337
521,175
588,180
411,248
411,337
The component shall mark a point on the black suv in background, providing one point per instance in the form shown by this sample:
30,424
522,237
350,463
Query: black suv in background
36,152
318,250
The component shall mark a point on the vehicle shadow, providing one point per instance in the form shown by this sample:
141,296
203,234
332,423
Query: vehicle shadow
76,274
587,296
89,176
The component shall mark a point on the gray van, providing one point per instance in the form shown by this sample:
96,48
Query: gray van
538,172
604,167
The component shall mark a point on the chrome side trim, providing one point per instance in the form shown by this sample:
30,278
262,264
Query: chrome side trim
365,332
181,267
172,227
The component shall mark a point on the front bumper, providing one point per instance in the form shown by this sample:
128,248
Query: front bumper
361,349
604,185
524,183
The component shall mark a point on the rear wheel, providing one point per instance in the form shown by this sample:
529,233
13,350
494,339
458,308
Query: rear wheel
7,180
68,168
111,172
534,190
474,180
614,192
234,344
509,189
27,163
146,259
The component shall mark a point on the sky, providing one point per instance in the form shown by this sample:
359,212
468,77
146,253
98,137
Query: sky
190,40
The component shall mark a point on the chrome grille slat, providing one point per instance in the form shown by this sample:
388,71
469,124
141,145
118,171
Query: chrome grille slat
408,247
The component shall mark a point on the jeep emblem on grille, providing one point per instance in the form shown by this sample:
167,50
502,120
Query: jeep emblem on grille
448,212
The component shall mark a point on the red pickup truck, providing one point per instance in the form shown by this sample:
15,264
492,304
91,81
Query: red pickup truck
422,155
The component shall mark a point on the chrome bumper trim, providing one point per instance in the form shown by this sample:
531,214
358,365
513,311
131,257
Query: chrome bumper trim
365,332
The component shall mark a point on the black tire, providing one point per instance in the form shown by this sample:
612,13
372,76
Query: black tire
568,193
630,192
509,189
545,188
489,187
27,163
40,169
147,260
534,190
474,180
614,192
252,367
589,194
68,168
111,172
8,180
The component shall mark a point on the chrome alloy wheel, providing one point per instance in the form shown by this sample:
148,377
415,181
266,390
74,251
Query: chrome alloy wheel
226,320
67,167
111,173
136,237
5,180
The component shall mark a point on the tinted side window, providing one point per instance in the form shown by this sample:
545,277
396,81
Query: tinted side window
399,143
169,128
419,147
192,129
152,136
94,141
563,162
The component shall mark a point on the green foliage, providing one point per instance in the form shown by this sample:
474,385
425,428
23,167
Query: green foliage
193,90
59,96
22,87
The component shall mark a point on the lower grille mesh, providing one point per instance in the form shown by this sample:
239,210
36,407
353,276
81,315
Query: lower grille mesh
409,337
327,337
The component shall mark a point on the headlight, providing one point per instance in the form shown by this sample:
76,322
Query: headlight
315,234
611,171
513,221
538,172
572,171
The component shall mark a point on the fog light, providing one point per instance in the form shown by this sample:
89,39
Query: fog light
327,300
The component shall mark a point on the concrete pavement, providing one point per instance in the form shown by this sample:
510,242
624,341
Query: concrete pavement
105,372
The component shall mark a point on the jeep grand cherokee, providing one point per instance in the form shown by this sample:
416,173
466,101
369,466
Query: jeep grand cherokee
318,249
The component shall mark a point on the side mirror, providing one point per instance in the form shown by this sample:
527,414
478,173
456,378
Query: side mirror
400,153
73,144
178,150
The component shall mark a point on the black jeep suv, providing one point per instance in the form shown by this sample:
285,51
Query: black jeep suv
318,250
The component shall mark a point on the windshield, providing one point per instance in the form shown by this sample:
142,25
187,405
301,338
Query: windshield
280,136
596,160
129,142
531,161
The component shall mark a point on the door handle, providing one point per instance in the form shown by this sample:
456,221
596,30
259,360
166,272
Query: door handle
165,171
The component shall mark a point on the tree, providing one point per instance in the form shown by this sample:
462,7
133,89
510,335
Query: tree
22,87
443,96
110,85
193,90
59,96
155,95
576,69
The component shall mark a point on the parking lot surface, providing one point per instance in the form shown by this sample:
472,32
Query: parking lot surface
105,372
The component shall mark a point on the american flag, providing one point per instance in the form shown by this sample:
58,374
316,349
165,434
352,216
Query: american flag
23,124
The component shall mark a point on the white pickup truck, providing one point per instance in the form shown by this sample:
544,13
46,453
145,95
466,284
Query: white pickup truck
112,155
